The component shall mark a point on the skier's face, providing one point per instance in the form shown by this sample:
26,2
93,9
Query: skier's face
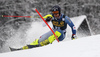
56,14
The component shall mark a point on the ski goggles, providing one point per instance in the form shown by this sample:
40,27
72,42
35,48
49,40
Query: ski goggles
55,12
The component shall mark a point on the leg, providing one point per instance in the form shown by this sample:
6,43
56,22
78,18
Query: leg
47,38
43,40
52,37
61,35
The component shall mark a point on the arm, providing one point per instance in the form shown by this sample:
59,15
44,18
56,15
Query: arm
47,19
70,23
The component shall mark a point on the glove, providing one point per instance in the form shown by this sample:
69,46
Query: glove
48,19
73,37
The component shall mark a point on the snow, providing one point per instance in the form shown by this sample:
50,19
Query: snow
82,47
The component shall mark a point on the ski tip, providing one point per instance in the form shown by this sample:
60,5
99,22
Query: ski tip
12,49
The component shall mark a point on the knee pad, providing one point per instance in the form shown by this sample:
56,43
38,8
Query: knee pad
52,37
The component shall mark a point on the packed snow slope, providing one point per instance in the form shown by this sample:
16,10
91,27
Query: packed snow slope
22,38
82,47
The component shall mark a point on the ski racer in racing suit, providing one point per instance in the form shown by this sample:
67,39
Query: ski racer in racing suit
59,22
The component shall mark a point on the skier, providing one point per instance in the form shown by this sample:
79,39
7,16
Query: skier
59,22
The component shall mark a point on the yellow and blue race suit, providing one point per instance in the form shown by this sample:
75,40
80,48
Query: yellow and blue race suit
59,27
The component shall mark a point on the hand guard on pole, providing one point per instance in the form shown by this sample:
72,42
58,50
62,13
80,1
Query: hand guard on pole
48,19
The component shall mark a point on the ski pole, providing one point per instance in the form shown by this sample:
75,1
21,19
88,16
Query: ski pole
46,24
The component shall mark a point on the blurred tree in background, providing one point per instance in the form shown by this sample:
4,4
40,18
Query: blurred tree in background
71,8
